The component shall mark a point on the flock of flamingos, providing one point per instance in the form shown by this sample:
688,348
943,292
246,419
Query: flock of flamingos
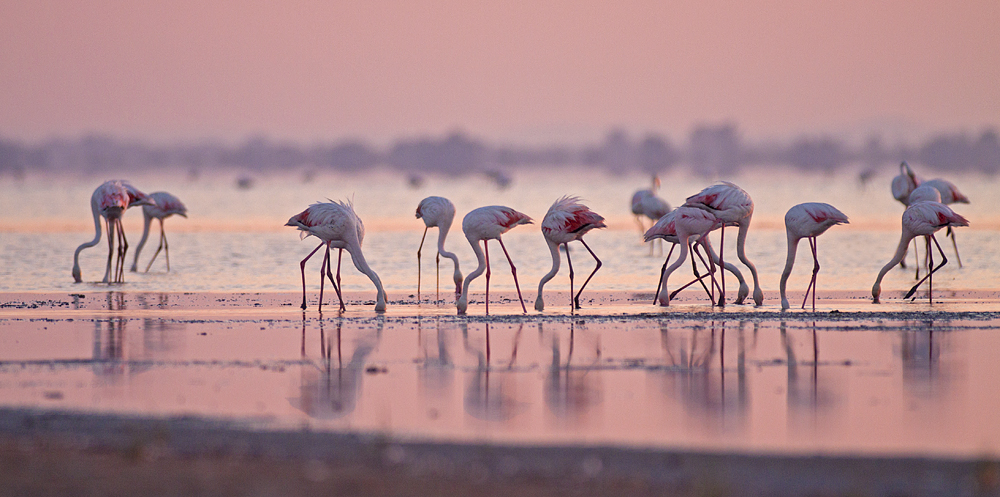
688,226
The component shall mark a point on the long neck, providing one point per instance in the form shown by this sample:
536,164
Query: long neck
442,234
904,241
741,240
362,265
481,258
793,245
146,221
95,241
554,250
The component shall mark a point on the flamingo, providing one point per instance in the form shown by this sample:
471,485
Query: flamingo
485,224
684,223
731,205
920,218
646,203
807,220
904,185
439,212
110,200
337,226
949,195
567,220
665,229
166,206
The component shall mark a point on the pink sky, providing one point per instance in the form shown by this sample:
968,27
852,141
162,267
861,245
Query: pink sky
305,70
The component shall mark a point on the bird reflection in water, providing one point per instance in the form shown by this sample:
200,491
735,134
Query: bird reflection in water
109,357
920,353
329,388
571,390
486,398
689,375
805,394
436,370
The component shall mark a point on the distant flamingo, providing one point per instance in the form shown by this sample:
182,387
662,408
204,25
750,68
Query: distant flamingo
807,220
110,200
645,203
665,229
166,206
731,205
684,223
907,182
567,220
439,212
337,226
485,224
904,183
949,195
920,218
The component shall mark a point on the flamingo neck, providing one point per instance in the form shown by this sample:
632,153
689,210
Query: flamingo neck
793,245
904,241
673,267
97,239
554,250
463,301
146,221
359,262
442,234
741,240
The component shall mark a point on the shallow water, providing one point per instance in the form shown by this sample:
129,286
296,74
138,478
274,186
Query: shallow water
747,380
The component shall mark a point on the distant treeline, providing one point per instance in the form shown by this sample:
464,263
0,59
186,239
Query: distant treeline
711,150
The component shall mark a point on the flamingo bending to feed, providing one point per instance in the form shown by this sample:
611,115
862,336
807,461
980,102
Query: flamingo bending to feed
731,205
337,226
567,220
921,219
807,220
665,229
166,206
906,184
110,200
684,223
438,212
485,224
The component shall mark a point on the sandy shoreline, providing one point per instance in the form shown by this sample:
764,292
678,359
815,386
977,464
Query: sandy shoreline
159,452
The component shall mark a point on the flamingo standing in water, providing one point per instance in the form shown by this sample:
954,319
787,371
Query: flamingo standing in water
921,218
439,212
110,200
645,203
907,182
807,220
485,224
567,220
337,226
166,206
665,229
731,205
684,222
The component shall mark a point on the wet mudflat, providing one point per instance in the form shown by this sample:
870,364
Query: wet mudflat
610,393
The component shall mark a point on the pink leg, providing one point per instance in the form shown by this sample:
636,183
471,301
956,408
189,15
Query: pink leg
323,267
944,260
418,261
486,248
569,262
302,267
659,282
722,247
599,264
336,287
513,271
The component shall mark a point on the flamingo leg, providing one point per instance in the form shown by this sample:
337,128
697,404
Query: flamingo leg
111,251
166,248
944,260
437,282
569,263
599,264
659,282
711,289
418,261
122,251
722,247
340,254
954,243
812,282
322,271
302,267
513,271
158,248
486,248
336,287
698,278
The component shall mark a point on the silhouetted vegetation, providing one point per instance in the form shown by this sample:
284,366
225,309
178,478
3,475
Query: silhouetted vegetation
713,150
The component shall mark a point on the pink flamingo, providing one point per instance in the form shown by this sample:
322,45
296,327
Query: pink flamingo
337,226
485,224
567,220
645,203
807,220
907,182
665,229
731,205
685,222
110,200
921,218
166,206
438,212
